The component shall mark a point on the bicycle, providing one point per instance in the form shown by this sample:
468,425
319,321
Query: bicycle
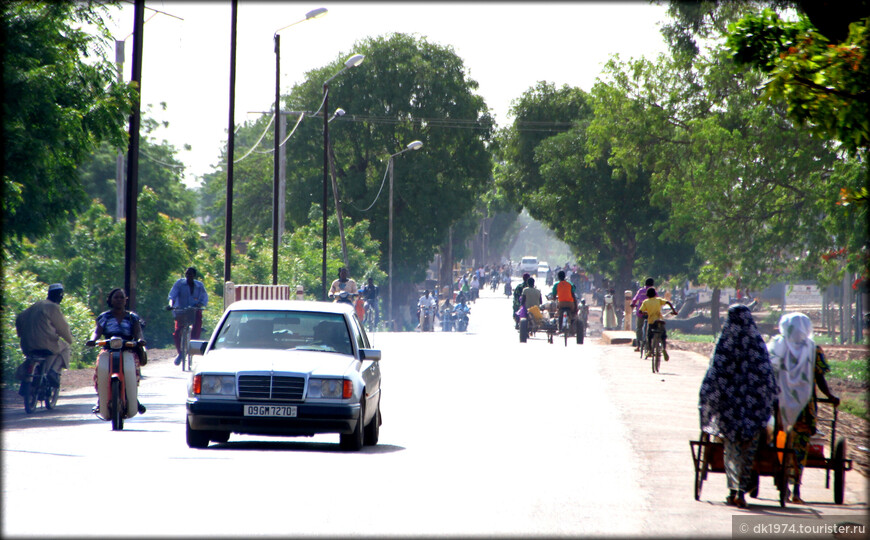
655,345
185,317
643,344
370,316
39,385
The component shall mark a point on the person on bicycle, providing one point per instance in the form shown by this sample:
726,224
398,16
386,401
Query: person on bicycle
119,322
343,284
641,316
566,295
42,327
185,293
652,307
370,295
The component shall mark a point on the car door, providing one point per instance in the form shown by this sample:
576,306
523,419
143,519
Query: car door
370,369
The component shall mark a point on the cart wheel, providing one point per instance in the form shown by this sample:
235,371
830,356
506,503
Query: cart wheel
839,470
701,472
524,330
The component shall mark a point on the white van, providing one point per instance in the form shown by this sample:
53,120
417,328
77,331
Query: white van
529,264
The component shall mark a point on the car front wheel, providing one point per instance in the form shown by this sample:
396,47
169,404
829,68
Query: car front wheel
197,439
354,441
373,430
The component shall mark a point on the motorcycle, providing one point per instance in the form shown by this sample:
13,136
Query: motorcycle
426,319
115,365
343,296
447,320
369,318
460,316
494,283
38,385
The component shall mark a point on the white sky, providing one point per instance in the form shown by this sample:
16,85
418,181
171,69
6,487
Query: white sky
506,47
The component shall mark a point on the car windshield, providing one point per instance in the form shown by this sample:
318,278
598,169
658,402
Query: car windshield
284,330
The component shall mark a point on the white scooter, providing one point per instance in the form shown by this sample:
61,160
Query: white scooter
116,381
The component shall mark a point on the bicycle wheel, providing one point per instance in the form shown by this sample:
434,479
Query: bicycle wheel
30,391
51,393
657,353
185,348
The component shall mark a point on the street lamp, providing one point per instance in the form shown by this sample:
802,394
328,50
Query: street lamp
353,61
313,14
415,145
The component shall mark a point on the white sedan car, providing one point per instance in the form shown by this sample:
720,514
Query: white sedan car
288,368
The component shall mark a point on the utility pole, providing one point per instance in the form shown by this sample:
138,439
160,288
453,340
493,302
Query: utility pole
231,145
133,160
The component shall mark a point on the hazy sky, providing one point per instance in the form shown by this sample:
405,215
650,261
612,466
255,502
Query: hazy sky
506,47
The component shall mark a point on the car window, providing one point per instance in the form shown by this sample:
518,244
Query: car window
284,330
362,340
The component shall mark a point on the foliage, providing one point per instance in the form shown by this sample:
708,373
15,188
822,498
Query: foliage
60,100
825,85
158,169
20,290
725,164
300,256
88,258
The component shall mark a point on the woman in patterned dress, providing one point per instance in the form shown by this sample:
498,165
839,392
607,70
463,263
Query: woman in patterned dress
736,398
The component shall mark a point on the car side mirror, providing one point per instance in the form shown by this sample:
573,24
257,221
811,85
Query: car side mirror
197,346
369,354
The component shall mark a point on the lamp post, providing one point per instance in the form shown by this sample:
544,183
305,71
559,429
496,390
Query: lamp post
353,61
313,14
415,145
338,214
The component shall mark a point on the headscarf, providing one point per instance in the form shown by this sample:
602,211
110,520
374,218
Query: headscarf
738,390
792,354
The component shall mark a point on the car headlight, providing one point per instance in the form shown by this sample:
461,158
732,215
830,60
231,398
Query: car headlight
222,385
330,388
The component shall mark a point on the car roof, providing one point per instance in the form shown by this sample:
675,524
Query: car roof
290,305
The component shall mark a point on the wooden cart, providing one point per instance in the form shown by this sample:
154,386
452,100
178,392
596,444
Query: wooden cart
773,459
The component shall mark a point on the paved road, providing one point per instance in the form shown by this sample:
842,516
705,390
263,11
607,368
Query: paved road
482,435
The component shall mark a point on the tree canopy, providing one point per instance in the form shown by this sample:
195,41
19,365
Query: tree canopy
60,100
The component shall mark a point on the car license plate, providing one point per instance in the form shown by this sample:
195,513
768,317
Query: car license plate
286,411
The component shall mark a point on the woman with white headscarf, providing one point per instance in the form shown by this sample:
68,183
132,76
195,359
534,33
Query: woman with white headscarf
799,365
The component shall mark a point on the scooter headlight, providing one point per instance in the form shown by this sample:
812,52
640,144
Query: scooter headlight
116,342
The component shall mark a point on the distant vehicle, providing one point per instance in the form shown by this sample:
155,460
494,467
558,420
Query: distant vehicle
287,368
529,264
543,268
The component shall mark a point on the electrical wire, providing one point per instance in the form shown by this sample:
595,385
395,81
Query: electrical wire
376,196
258,140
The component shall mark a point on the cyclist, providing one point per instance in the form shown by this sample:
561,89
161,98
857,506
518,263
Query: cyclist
566,295
370,295
187,292
652,306
641,316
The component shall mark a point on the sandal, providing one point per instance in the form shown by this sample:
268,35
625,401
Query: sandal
796,499
739,501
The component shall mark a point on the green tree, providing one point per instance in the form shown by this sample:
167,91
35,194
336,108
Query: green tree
58,105
159,170
407,89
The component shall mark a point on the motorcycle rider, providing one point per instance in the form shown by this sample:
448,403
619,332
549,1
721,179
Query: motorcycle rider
566,295
187,292
426,301
343,283
119,322
370,295
518,291
42,327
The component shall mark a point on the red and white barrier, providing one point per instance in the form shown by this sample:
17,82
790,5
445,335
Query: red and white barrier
235,292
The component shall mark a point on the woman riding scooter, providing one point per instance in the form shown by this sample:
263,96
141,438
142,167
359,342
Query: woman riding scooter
118,322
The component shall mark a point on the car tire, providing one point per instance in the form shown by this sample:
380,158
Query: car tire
197,439
353,442
373,430
219,436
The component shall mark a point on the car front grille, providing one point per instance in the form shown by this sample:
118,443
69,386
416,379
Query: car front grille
273,387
